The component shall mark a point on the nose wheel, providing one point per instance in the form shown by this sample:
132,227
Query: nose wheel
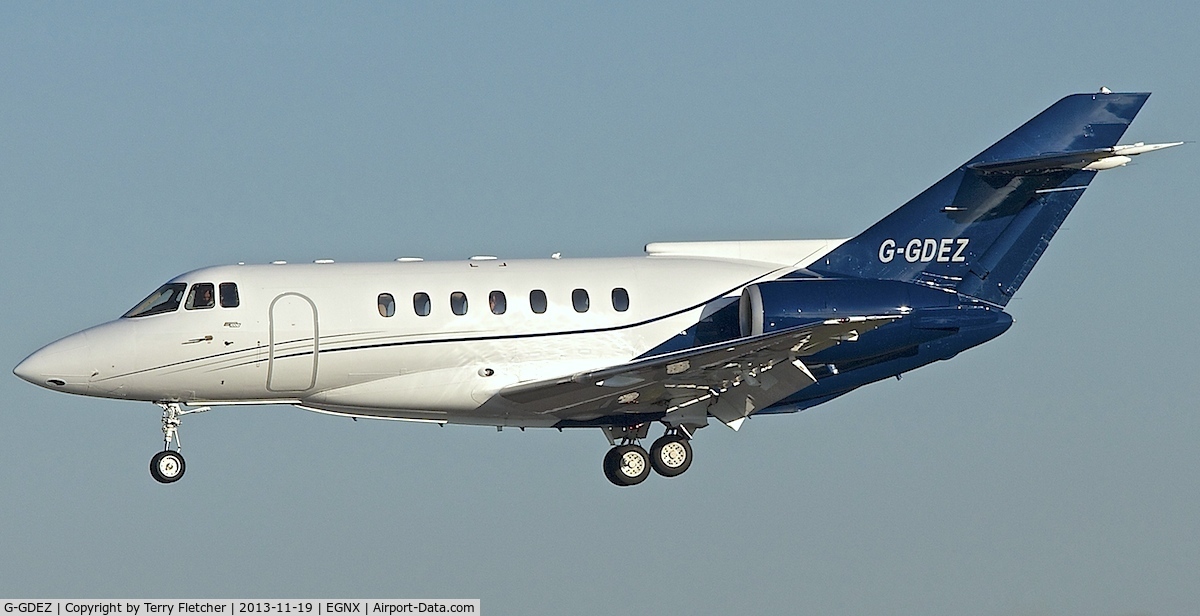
167,466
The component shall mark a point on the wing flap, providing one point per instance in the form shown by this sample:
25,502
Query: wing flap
743,376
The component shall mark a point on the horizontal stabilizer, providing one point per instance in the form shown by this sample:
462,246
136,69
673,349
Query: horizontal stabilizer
1091,160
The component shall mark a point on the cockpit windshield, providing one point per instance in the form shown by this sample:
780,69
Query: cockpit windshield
165,299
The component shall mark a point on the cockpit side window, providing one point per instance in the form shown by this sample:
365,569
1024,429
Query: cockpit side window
201,297
165,299
229,295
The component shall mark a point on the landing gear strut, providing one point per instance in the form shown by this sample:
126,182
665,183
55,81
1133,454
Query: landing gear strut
167,466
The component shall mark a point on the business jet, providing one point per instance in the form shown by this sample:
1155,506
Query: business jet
687,332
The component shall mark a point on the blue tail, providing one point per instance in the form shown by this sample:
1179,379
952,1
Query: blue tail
981,229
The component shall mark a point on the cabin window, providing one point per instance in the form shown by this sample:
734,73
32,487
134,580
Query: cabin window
229,295
537,301
387,305
201,297
579,299
164,299
620,299
497,303
458,303
421,304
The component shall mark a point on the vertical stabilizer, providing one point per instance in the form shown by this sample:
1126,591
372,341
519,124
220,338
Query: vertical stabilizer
981,229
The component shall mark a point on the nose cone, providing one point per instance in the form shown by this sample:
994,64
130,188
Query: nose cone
61,365
26,370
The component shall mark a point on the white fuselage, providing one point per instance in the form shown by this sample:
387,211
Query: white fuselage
315,334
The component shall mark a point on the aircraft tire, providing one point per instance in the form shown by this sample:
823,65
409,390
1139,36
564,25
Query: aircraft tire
167,466
671,455
610,464
626,465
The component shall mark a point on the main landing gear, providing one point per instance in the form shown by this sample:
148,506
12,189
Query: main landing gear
167,466
671,454
629,464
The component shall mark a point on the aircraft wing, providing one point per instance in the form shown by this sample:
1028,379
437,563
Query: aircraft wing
743,376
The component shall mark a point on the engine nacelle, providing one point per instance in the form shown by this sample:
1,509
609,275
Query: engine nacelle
779,304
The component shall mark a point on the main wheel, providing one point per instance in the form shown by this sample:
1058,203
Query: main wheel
167,466
626,465
670,455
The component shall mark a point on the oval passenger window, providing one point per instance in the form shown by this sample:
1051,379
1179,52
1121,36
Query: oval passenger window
620,299
458,303
421,304
537,301
387,305
497,302
579,299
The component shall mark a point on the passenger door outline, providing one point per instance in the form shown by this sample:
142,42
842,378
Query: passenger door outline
289,322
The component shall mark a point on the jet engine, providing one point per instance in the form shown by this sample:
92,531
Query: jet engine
779,304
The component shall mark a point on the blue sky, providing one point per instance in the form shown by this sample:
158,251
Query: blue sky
1051,471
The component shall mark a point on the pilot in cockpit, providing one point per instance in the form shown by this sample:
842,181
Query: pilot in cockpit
201,297
206,297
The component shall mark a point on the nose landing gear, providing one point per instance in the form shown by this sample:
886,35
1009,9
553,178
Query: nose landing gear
167,466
